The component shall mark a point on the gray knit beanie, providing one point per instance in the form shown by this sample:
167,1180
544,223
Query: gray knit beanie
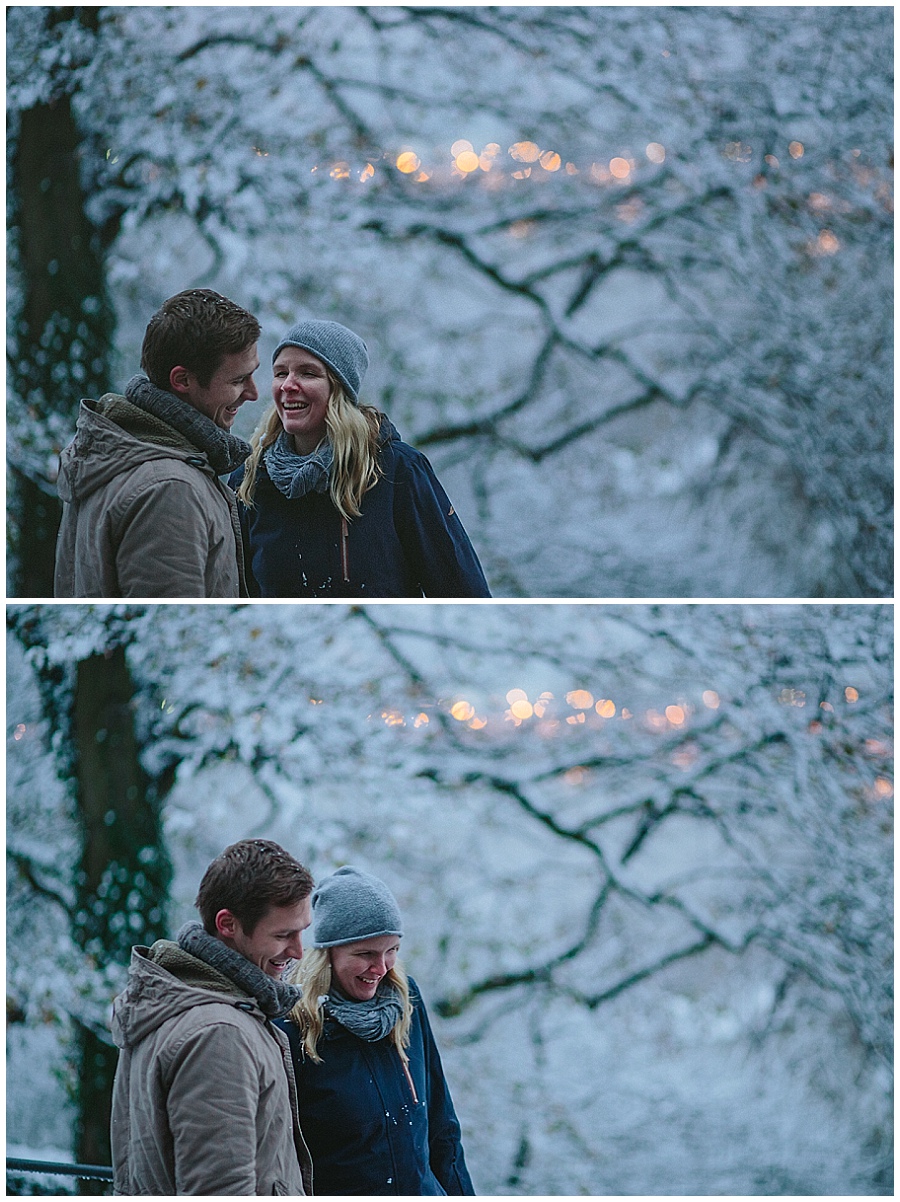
352,905
342,350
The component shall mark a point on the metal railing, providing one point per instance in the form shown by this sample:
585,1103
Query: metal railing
87,1172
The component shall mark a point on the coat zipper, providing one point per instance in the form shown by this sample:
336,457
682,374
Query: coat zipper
345,550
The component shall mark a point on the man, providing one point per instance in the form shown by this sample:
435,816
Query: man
204,1100
144,512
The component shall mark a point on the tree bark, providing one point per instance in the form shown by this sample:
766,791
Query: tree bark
63,321
124,873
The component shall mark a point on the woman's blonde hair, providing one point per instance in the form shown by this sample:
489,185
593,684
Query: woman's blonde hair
353,434
313,975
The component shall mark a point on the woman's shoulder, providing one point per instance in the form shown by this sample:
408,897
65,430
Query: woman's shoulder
408,460
236,479
389,439
409,454
415,994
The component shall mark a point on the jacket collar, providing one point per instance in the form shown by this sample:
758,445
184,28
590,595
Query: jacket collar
275,998
225,451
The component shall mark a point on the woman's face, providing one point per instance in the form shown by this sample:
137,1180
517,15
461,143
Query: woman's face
359,967
300,389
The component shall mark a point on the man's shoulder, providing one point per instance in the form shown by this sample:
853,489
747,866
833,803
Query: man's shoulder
168,492
225,1030
172,486
109,450
217,1033
165,466
205,1014
173,994
115,422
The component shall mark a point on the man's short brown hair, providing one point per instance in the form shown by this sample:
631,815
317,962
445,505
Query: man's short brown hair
195,329
249,878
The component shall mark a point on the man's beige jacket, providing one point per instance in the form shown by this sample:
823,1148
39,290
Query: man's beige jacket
204,1100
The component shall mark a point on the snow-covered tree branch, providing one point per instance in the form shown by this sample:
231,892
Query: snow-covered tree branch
641,842
629,266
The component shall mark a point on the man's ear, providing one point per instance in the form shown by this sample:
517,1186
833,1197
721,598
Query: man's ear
226,924
180,380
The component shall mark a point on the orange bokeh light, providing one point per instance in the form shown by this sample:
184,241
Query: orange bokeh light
525,152
408,162
467,161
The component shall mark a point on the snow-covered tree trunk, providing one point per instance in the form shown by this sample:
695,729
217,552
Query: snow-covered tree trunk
61,319
117,895
122,880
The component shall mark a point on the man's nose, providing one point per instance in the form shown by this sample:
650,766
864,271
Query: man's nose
251,393
295,947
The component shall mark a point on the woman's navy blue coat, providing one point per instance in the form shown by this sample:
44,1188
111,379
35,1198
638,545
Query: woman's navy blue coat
409,541
365,1132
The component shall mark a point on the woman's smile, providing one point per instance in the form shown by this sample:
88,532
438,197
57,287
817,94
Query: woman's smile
301,390
359,967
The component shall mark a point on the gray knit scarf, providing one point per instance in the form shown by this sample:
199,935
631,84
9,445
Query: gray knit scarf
225,451
372,1020
275,998
296,475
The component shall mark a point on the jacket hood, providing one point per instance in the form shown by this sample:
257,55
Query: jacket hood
388,431
165,981
113,436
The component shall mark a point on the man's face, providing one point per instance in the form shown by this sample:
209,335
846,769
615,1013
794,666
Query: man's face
230,386
276,939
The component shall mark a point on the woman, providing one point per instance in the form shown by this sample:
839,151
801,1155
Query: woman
333,504
374,1106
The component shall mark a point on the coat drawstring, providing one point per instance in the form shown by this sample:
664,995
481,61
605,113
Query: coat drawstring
409,1079
345,550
